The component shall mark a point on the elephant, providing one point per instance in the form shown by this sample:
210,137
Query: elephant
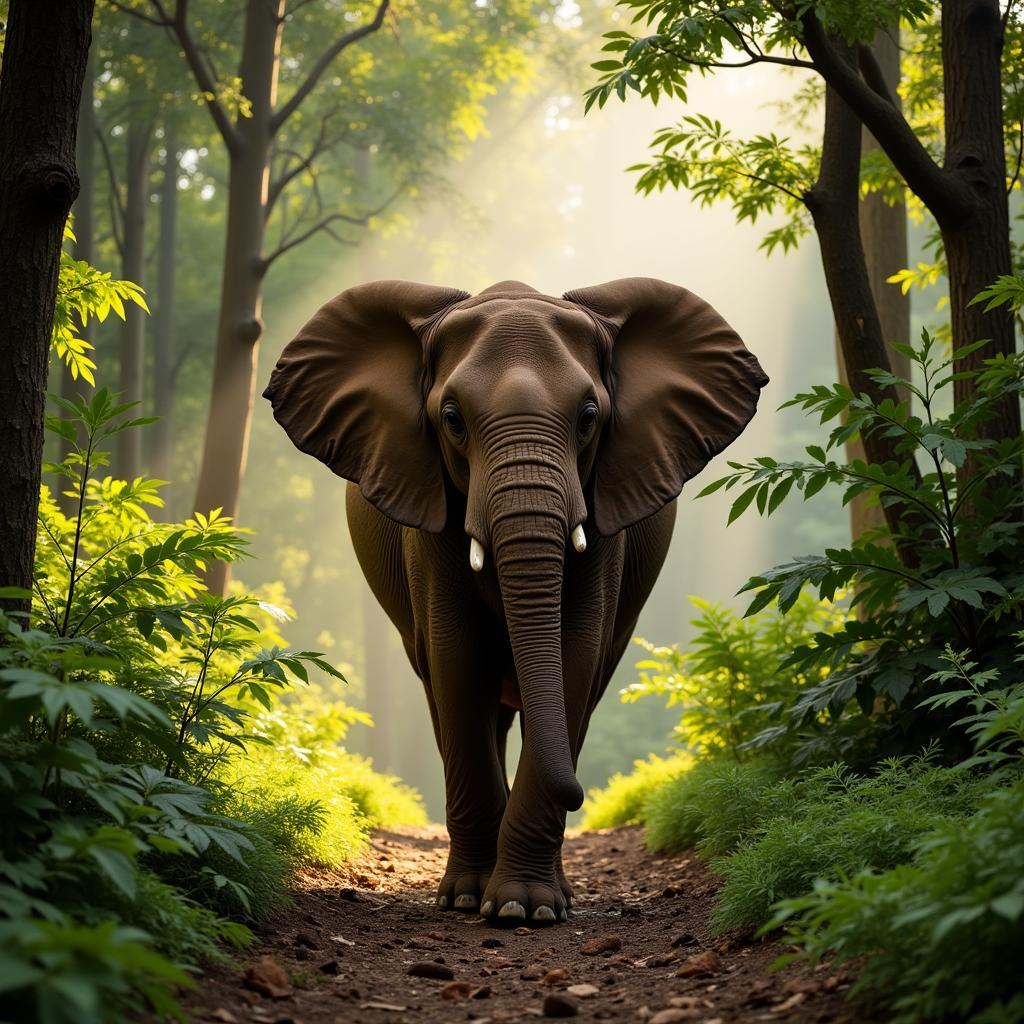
513,462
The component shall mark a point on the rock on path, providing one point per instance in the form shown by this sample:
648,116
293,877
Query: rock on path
367,946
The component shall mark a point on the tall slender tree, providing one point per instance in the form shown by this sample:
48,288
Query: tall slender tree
46,49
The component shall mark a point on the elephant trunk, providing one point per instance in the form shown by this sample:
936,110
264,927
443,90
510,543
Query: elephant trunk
529,534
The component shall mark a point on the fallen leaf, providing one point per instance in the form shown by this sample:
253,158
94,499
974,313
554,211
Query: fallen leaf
268,978
604,944
700,965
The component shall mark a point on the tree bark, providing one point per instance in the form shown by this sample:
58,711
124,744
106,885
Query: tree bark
834,206
164,358
225,449
85,232
977,244
133,268
46,49
883,231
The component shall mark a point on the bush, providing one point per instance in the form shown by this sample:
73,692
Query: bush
727,681
941,938
831,823
150,798
624,799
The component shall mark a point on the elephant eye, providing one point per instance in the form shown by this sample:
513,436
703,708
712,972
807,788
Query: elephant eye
586,422
453,422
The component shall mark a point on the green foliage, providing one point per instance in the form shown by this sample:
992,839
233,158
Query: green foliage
728,681
623,800
83,292
712,807
831,822
133,710
935,939
966,540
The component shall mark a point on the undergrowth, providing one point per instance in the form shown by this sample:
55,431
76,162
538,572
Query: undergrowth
160,783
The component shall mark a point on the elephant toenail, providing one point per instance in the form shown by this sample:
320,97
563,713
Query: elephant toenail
487,909
513,909
442,902
564,916
543,914
467,901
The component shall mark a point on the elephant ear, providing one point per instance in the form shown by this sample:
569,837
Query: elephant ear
683,387
348,390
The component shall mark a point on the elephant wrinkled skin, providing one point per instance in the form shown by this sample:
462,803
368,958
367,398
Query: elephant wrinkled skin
543,440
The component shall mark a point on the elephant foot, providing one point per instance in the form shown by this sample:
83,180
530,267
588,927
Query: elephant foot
462,885
516,897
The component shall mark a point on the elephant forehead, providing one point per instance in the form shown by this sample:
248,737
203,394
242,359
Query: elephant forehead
501,332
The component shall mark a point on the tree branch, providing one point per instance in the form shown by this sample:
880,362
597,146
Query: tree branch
945,196
326,58
178,24
324,224
788,62
285,178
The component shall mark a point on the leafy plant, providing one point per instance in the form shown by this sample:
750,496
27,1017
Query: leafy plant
83,292
623,800
126,700
934,939
954,570
727,681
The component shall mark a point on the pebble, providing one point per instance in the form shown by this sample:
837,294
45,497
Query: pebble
269,978
556,1005
557,974
672,1015
700,965
330,967
429,969
583,991
492,943
604,944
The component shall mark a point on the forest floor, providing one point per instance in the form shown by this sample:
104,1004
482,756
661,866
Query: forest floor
367,946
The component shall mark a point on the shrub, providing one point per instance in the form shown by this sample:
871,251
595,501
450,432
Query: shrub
832,822
130,716
624,799
941,938
727,681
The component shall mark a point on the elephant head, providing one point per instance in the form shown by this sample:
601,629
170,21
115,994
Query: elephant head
553,417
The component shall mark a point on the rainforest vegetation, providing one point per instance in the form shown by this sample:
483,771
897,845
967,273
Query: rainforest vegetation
199,698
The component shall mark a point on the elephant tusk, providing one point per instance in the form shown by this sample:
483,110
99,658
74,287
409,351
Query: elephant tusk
476,554
579,539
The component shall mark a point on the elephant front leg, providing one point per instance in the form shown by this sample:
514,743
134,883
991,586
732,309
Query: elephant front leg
527,883
467,727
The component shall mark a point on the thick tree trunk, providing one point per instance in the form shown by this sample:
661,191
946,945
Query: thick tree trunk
977,244
239,327
133,268
164,358
44,61
85,232
883,231
834,206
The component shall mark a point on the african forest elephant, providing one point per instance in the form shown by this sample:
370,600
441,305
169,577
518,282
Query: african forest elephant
514,460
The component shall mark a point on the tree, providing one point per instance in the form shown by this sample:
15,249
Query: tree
46,48
965,191
274,148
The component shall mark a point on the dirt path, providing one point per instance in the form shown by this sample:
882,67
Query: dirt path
368,947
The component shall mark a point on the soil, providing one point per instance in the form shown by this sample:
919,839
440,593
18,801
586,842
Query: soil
368,946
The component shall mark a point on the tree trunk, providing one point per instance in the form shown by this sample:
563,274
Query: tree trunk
239,327
883,231
46,49
164,359
834,206
85,232
977,245
133,268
